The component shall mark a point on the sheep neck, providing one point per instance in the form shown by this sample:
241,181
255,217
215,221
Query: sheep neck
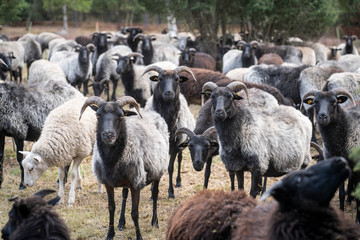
128,79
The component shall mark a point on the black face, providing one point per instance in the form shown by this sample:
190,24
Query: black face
100,40
84,53
133,32
201,148
4,70
124,64
247,50
222,99
186,57
317,183
146,43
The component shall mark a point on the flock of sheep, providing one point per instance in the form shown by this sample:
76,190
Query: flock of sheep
260,113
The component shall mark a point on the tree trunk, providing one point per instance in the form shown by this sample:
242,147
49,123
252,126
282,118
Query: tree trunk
76,19
65,21
32,9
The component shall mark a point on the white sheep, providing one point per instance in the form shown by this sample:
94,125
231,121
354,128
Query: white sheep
43,70
63,140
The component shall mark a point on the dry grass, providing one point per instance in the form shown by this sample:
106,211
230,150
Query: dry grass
88,218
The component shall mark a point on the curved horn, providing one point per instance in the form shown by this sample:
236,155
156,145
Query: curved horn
210,131
135,54
240,42
138,35
184,69
340,91
152,68
255,42
43,193
2,62
185,131
317,148
129,100
209,86
105,80
237,87
91,100
192,50
269,192
354,37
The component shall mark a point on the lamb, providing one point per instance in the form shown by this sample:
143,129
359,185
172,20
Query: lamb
271,58
76,65
261,152
24,109
302,210
243,58
348,47
32,51
173,107
131,40
334,53
191,58
284,78
35,218
106,71
18,52
129,152
73,141
43,70
338,128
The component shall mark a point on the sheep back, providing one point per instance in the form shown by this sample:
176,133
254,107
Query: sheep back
43,70
145,155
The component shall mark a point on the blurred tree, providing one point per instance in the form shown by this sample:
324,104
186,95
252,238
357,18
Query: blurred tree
11,10
350,12
355,156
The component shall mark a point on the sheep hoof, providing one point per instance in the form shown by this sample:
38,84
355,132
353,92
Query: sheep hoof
178,184
349,200
171,196
121,227
22,186
154,222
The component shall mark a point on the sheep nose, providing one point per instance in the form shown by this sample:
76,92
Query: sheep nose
169,93
323,116
220,114
108,135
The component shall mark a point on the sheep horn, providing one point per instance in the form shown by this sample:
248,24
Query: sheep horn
237,87
184,69
138,35
43,193
317,148
90,45
105,80
152,68
269,192
129,100
135,54
208,86
91,100
192,50
345,93
14,198
240,42
210,131
354,37
2,62
254,42
185,131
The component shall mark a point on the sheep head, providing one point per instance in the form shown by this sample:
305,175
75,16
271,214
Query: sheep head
34,166
110,116
168,81
99,86
124,63
223,98
327,104
310,188
201,146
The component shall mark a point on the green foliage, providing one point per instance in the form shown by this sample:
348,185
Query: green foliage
355,156
78,5
349,12
11,10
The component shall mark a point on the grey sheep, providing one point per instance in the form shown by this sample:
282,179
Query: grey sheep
63,140
350,62
32,50
24,109
129,152
269,142
60,44
42,70
45,37
18,52
172,106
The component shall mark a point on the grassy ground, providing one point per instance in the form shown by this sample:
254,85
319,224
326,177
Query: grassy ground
88,217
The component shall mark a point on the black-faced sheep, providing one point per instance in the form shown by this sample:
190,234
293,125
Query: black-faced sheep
302,210
100,40
348,47
191,58
259,152
147,49
334,53
129,152
72,139
18,52
35,218
339,129
131,40
5,65
24,109
173,107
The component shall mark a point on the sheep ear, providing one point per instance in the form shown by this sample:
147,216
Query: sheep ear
309,100
206,93
25,153
214,143
237,96
276,190
341,98
54,201
129,113
183,145
23,210
183,79
154,78
94,107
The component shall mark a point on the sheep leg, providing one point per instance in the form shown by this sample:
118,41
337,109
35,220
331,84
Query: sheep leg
2,145
171,170
66,169
232,180
75,180
349,190
113,96
135,199
256,181
61,176
240,179
155,193
111,207
122,221
207,171
178,178
264,186
85,85
311,114
20,147
20,73
342,194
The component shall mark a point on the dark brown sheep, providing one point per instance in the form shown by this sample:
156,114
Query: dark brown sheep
208,215
271,58
191,58
192,89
